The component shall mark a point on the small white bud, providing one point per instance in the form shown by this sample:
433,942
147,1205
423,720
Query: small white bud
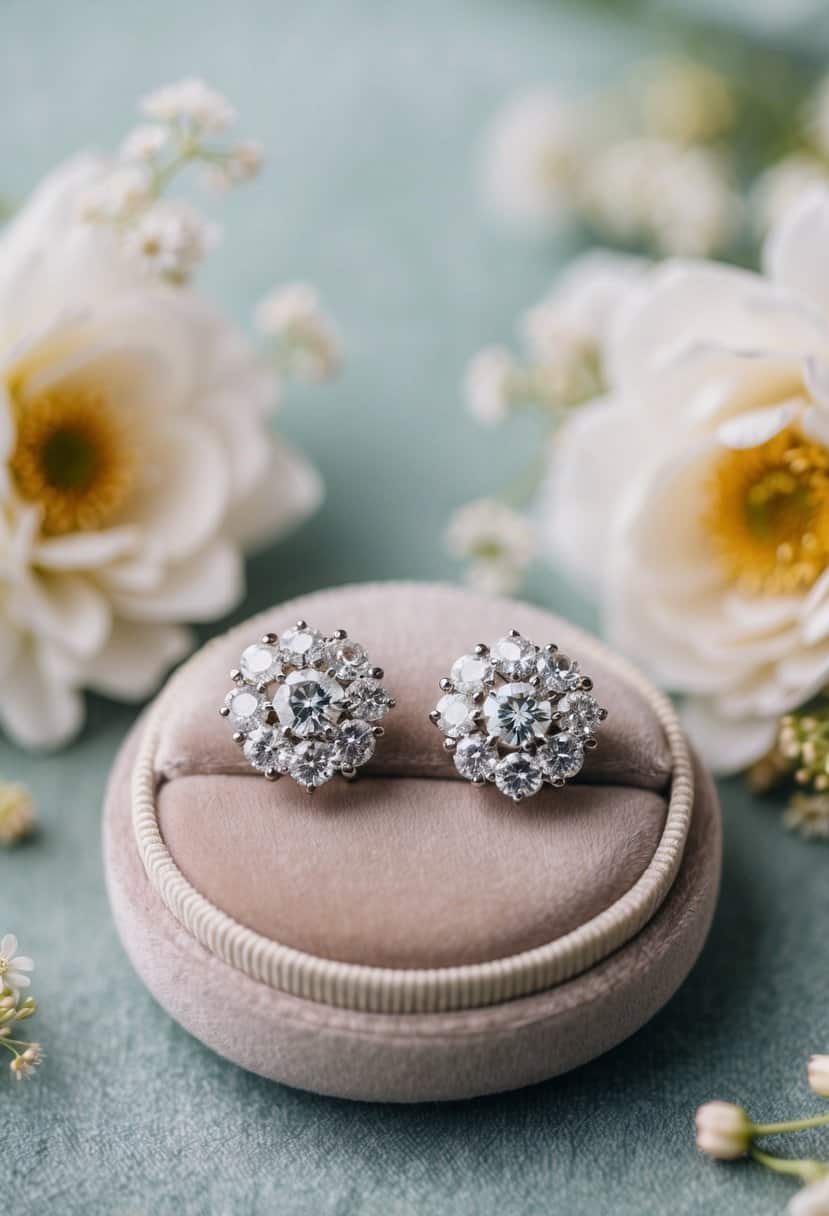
818,1071
724,1130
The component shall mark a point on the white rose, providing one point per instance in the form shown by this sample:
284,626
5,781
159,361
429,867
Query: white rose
695,497
136,463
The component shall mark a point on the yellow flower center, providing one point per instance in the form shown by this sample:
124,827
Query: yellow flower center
74,458
768,514
4,965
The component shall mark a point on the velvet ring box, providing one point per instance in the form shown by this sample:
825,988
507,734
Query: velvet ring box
409,936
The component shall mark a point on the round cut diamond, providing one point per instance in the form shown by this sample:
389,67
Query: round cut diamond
581,714
516,714
368,699
246,707
457,715
557,673
518,776
266,749
515,657
260,663
475,759
560,757
309,702
301,647
312,764
348,659
354,744
471,673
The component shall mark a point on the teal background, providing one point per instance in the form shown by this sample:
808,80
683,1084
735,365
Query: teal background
371,113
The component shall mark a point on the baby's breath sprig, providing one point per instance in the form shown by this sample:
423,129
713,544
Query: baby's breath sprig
302,340
169,237
804,741
725,1132
14,1008
803,748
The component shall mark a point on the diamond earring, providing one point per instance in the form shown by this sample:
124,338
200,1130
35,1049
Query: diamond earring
517,715
306,705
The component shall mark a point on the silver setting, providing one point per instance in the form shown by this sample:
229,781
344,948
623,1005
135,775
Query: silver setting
306,706
517,715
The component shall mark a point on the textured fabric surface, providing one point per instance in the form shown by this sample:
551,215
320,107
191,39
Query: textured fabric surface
371,112
418,1056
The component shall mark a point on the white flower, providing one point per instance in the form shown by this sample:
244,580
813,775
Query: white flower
782,186
678,199
190,101
144,142
488,383
23,1066
683,101
567,332
534,156
723,1130
170,239
695,497
241,164
812,1200
114,196
292,315
17,813
136,464
13,966
818,1072
499,543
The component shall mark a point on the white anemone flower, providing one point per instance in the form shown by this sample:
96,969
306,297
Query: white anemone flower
137,464
13,966
694,497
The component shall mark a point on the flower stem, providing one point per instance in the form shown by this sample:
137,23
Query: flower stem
794,1125
806,1169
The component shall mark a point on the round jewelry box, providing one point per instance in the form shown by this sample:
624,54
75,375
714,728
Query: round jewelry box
408,936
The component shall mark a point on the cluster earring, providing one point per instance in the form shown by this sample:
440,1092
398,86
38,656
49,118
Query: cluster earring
518,715
306,706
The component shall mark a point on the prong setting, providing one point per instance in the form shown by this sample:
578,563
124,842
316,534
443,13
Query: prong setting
517,715
306,706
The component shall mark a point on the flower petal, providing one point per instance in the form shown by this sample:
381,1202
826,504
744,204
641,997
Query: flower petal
136,657
755,427
8,946
206,586
84,550
595,456
63,607
289,491
37,710
728,745
22,962
797,251
183,500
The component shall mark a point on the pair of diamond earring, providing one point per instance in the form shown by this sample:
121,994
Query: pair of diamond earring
513,714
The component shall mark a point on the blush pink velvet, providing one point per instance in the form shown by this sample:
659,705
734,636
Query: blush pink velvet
408,867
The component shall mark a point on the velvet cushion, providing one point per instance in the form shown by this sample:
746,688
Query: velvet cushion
409,866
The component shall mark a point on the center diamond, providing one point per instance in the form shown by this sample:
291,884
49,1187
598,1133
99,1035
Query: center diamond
516,714
308,703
